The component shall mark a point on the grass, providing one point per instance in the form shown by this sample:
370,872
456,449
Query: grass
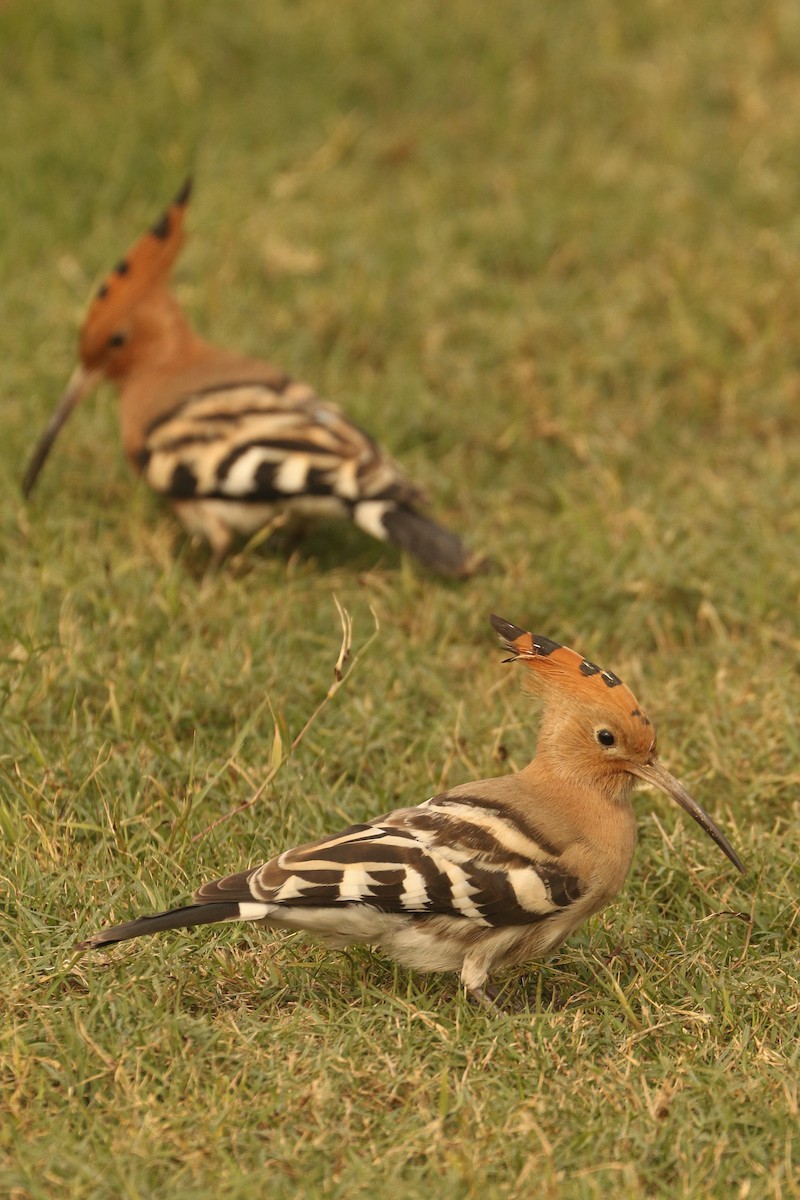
550,255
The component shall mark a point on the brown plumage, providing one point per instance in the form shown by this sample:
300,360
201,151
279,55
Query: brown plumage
489,874
231,441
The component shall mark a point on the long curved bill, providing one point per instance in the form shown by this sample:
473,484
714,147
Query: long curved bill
653,772
80,382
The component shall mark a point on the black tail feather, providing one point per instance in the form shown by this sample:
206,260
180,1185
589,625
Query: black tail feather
176,918
434,546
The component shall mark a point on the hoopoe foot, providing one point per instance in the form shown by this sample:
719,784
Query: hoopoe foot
514,997
495,1000
219,552
483,997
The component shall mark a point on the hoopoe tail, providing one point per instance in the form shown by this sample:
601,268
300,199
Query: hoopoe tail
433,545
176,918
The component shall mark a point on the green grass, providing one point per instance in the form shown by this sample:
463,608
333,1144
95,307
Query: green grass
550,254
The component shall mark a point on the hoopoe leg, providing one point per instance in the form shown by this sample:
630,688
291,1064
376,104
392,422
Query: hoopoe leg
220,549
200,519
474,976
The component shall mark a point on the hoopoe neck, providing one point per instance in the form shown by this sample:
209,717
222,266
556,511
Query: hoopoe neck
578,811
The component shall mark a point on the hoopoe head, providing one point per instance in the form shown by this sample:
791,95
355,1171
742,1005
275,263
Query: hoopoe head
119,312
594,732
132,320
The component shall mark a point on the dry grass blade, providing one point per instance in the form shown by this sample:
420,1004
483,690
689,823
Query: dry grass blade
277,757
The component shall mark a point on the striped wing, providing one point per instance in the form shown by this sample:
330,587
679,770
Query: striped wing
444,858
263,444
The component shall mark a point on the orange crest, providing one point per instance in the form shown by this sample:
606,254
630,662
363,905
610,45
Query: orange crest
146,265
557,667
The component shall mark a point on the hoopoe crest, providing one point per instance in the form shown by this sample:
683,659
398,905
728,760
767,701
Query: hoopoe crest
232,442
489,874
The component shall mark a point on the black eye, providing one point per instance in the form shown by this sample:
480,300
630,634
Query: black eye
605,737
117,339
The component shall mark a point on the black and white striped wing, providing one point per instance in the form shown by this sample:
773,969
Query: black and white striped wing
443,858
261,444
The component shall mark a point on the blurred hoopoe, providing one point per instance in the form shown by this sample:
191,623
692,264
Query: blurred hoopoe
489,874
231,441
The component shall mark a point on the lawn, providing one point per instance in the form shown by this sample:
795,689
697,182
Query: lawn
550,255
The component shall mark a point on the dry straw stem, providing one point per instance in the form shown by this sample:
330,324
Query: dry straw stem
278,757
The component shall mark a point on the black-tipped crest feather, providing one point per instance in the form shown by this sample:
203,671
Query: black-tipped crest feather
505,630
184,195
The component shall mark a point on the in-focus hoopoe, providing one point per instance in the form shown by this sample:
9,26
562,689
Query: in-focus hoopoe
488,874
231,441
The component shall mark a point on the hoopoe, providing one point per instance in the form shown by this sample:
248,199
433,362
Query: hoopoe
488,874
232,442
